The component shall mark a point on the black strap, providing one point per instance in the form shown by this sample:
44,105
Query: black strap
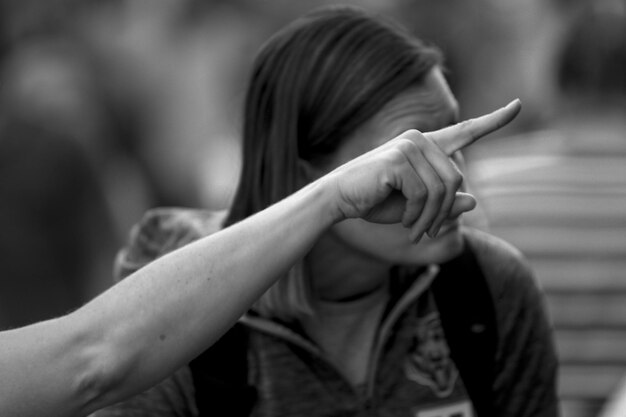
468,318
220,376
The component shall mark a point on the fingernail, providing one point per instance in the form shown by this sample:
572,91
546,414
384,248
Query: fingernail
516,102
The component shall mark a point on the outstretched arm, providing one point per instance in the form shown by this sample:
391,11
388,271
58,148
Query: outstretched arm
156,320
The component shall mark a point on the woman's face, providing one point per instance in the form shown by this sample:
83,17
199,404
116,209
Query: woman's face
426,108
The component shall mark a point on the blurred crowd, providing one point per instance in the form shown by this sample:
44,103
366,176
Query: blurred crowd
108,108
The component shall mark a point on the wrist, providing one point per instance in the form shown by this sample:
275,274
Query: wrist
321,195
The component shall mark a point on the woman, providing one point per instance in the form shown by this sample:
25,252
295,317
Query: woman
355,327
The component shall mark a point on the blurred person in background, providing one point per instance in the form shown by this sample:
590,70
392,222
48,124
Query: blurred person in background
58,233
78,150
369,322
559,194
56,237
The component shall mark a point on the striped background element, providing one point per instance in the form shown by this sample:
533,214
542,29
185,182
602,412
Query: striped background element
564,206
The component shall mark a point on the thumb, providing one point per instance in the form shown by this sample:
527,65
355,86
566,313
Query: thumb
462,202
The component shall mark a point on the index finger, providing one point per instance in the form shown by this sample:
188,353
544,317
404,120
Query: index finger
460,135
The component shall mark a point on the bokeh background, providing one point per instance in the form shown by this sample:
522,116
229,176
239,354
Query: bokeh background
111,107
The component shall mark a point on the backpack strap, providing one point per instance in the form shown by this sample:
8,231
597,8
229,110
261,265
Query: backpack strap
467,312
220,376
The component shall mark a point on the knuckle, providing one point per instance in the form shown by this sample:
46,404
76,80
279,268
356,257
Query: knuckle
406,144
413,136
412,133
395,156
469,126
456,181
402,149
466,124
389,154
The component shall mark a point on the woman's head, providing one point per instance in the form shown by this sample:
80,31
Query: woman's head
314,84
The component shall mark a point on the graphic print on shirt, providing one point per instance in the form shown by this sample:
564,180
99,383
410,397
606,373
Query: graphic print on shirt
460,409
429,362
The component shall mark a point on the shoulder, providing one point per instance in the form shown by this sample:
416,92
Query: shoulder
525,363
504,266
162,230
519,302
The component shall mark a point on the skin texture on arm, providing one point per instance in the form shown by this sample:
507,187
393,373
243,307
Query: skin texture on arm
156,320
101,348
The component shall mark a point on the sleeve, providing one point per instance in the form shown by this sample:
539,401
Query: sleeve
161,231
526,363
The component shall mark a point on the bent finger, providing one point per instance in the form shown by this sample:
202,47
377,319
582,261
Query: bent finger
452,179
463,202
415,192
449,176
436,191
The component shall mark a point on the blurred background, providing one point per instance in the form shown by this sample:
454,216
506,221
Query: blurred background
110,107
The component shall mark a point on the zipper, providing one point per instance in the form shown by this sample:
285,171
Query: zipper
421,284
286,334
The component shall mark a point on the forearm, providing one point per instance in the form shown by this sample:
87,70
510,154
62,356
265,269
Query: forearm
156,320
183,302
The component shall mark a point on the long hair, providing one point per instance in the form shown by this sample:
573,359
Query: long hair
313,84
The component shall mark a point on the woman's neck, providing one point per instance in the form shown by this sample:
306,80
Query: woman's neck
339,272
346,331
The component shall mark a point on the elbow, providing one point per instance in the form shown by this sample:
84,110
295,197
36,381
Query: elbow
99,379
94,384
